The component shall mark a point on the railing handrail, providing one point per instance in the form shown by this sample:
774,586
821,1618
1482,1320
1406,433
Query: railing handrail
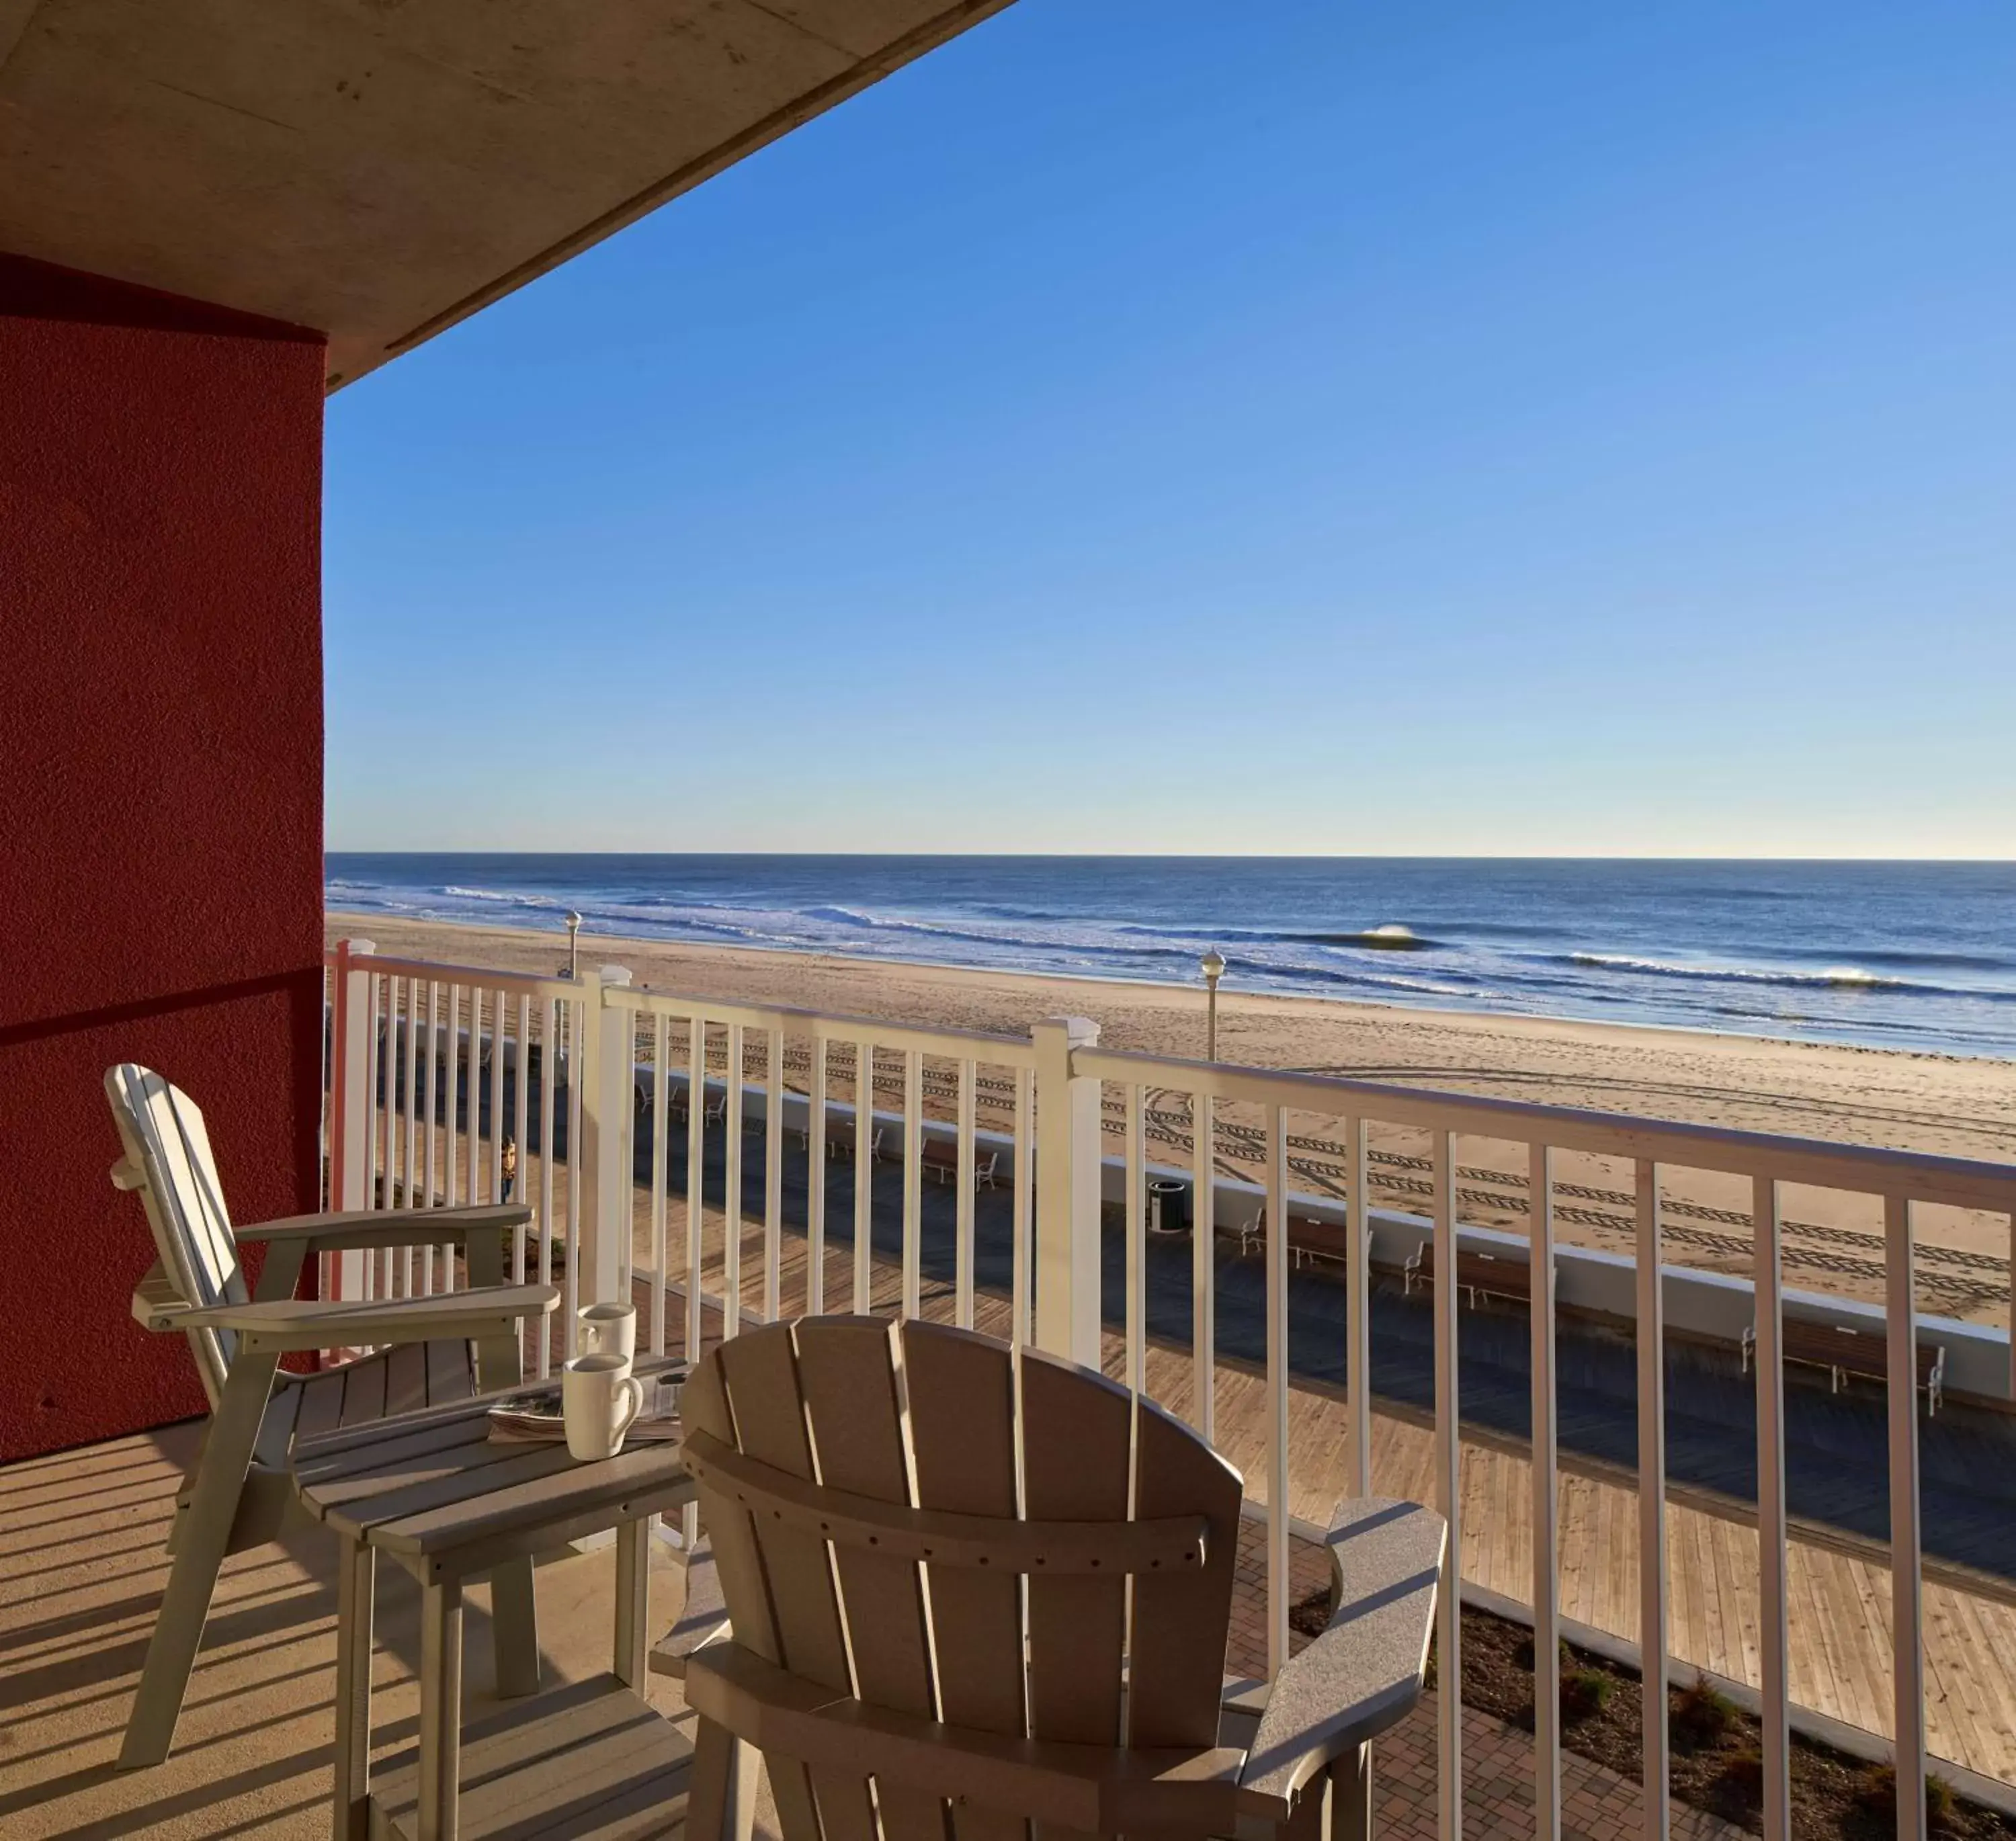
1965,1182
965,1045
488,978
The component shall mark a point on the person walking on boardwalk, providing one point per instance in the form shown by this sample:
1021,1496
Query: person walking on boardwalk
510,1167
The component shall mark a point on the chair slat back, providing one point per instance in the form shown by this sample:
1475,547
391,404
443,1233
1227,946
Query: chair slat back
162,1130
962,1391
927,1417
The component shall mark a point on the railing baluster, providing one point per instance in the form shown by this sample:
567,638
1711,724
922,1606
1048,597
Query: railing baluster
521,1111
773,1180
963,1211
1652,1504
1136,1162
373,1113
549,1064
1545,1482
1204,1271
864,1189
1358,1309
577,1073
696,1327
1448,1490
1021,1212
496,1096
621,1022
1279,1507
472,1097
914,1182
661,1079
1772,1636
381,1260
451,1072
815,1182
384,1131
1907,1609
412,1088
731,1324
388,1111
432,1147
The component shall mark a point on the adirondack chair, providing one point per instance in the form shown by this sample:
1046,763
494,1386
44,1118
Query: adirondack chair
1110,1716
236,1496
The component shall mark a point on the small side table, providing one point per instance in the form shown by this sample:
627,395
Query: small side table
433,1491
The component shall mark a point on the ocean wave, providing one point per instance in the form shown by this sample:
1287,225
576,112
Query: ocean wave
1831,977
844,917
509,898
1389,936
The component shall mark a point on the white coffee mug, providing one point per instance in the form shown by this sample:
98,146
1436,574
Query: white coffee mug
609,1330
600,1398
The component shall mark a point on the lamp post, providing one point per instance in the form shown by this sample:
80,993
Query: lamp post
1212,965
573,944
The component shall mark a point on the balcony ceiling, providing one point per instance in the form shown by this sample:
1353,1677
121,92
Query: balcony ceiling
378,170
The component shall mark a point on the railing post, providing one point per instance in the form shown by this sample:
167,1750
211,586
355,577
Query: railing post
1067,1170
604,1071
352,1058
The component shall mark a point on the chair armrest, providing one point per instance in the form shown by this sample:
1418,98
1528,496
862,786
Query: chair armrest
341,1323
157,1303
390,1227
1366,1671
703,1619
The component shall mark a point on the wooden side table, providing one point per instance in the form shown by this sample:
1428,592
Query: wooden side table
433,1491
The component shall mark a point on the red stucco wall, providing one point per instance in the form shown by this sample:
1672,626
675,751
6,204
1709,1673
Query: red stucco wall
160,803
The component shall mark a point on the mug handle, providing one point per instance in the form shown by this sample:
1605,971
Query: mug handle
633,1391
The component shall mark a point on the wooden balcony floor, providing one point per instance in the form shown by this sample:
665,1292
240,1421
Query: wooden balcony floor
82,1535
82,1566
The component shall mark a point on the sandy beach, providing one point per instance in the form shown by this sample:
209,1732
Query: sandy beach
1951,1105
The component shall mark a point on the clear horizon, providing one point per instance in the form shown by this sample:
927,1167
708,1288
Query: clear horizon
1566,436
1231,856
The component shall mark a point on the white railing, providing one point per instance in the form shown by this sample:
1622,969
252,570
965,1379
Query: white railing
632,1058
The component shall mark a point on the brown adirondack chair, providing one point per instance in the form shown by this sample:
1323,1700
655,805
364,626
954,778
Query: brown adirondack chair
236,1495
1029,1682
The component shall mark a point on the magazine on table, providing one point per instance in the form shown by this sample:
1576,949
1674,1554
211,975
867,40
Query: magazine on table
536,1417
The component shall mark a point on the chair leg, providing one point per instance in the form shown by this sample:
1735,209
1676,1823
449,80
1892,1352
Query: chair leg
721,1797
1350,1795
204,1537
514,1629
441,1708
356,1585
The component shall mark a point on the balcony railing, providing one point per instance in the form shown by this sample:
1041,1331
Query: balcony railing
433,1066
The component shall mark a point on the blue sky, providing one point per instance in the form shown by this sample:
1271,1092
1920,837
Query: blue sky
1278,428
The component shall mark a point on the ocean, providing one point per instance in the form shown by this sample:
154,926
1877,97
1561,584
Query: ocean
1895,955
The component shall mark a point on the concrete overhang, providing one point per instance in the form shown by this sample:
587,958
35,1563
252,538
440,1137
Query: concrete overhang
377,169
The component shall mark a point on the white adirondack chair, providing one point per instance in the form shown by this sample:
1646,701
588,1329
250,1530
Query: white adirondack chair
1067,1665
236,1496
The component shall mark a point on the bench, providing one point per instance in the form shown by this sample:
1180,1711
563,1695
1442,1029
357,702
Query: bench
678,1108
1477,1275
1843,1352
840,1141
940,1158
1311,1241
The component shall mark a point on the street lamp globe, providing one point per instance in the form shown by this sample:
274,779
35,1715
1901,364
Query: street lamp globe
1212,965
573,944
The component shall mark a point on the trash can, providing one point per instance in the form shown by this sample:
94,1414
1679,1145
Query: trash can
1168,1207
